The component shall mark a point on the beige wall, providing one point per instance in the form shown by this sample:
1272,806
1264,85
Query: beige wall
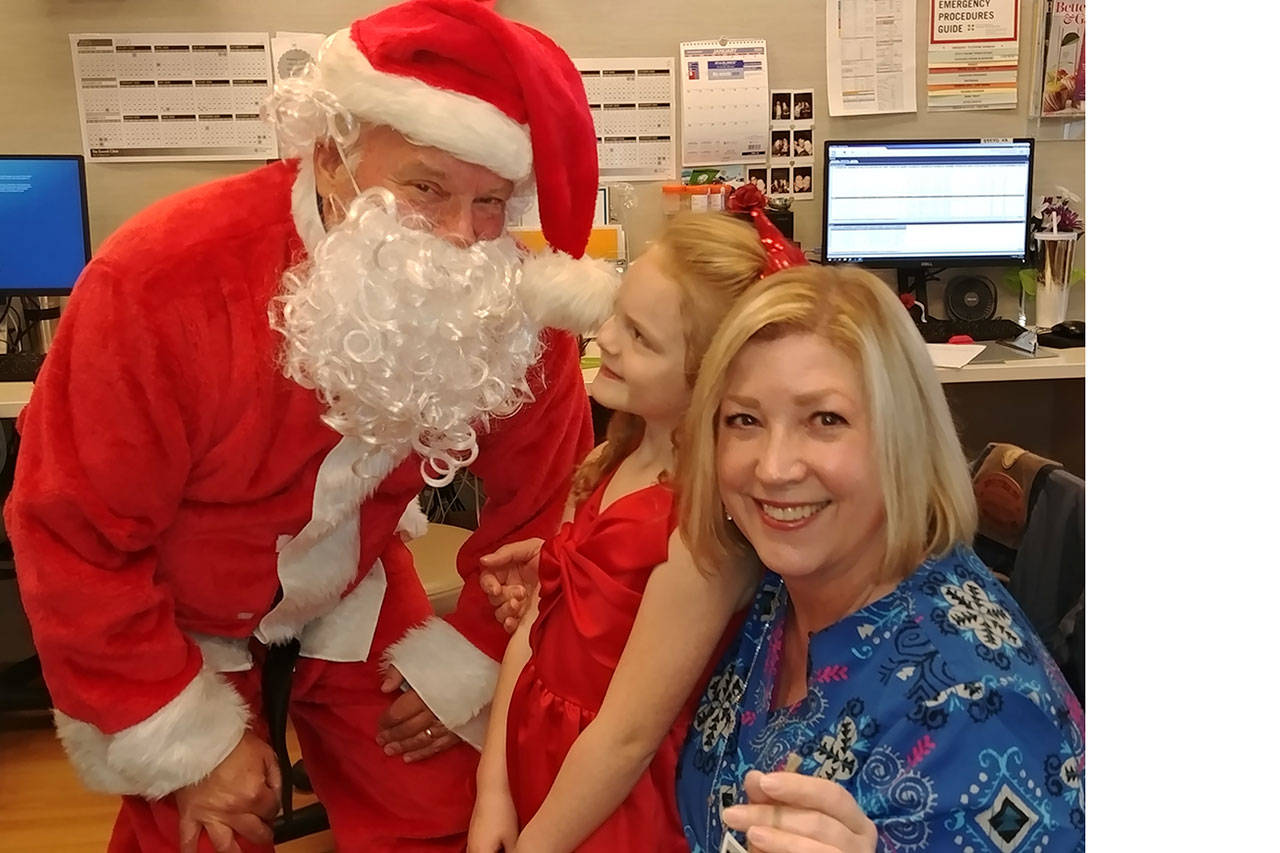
37,94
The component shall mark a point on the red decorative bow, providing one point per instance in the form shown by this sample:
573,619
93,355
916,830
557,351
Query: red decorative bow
781,251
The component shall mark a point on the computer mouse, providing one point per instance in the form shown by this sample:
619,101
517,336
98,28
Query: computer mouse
1073,329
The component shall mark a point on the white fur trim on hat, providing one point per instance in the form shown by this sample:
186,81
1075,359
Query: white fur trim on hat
575,294
452,676
465,126
178,745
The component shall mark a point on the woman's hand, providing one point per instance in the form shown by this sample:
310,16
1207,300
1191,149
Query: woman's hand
506,577
792,812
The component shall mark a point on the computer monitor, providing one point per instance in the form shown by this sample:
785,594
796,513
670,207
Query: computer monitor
929,203
44,224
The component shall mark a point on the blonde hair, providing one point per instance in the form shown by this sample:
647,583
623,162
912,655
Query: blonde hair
713,258
929,503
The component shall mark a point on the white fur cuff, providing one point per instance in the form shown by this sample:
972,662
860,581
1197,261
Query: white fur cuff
453,677
575,294
178,745
413,522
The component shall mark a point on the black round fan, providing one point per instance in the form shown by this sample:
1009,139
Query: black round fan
970,297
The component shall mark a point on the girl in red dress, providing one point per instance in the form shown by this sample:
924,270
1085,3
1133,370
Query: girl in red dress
596,687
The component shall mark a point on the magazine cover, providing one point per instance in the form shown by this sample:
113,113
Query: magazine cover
1063,91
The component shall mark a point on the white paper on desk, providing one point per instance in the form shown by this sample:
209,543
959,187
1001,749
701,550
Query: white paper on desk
954,355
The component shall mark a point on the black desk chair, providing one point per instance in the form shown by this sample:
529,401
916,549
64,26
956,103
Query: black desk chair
1031,534
21,688
307,820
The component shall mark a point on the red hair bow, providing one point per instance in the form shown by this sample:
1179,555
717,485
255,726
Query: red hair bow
781,251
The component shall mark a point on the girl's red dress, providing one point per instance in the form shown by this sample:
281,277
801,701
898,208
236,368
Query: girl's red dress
592,576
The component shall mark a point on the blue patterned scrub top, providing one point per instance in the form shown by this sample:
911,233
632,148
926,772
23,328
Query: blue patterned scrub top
937,706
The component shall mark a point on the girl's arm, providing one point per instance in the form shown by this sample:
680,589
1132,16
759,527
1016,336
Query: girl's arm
682,616
507,574
493,823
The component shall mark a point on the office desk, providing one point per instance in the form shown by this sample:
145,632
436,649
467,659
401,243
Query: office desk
13,396
1037,403
1063,364
1034,403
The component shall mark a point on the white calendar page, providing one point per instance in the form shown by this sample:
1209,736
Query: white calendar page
725,102
633,105
147,97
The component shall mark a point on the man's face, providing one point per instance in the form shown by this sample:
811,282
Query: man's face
463,202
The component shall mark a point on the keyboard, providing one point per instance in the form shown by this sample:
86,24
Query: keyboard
20,366
941,331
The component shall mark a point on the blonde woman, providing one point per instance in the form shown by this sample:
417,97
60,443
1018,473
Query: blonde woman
882,671
596,687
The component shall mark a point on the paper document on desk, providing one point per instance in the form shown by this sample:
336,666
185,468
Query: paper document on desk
954,355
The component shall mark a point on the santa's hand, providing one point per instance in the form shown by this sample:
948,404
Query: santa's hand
408,727
239,797
506,577
793,812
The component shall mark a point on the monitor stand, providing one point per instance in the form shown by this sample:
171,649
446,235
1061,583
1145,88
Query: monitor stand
40,315
48,311
915,280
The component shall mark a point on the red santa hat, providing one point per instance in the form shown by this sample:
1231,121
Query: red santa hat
456,75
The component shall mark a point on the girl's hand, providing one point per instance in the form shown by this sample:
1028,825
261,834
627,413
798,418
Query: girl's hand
507,575
792,812
494,826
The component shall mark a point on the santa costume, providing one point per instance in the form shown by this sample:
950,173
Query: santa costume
179,504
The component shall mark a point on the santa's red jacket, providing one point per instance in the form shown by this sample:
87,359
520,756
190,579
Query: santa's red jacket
170,480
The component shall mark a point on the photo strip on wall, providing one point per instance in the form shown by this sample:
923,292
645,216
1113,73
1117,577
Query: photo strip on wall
791,146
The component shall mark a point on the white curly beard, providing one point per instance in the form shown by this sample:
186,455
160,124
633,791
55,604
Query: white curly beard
409,340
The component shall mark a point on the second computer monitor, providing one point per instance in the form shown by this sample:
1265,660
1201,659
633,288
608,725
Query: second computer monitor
927,203
44,224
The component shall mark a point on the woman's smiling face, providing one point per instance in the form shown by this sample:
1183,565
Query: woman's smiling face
796,460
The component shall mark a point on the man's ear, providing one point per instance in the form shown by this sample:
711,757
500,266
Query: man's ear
331,172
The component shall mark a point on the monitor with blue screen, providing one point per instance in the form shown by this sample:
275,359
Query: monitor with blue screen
44,224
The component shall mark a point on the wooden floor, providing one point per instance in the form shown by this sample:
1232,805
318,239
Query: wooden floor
43,806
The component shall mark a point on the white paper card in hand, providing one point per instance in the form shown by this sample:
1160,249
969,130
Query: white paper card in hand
731,845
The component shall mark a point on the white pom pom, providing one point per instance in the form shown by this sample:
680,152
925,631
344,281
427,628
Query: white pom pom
568,293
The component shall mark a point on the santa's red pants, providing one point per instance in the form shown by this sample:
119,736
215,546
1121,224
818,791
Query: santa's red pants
375,802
